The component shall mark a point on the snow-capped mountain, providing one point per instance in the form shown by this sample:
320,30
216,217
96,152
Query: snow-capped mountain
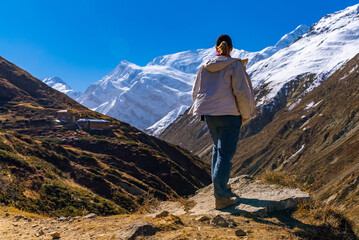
328,44
139,95
58,84
151,97
189,61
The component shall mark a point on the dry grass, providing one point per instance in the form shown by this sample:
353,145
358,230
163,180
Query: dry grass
16,211
326,222
149,202
30,105
281,179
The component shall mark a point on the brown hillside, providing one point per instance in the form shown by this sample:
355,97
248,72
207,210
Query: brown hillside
61,169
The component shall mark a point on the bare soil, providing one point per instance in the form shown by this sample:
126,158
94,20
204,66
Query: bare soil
301,224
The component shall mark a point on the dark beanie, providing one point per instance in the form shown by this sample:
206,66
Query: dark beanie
225,38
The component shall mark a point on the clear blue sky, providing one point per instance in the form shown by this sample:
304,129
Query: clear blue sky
83,40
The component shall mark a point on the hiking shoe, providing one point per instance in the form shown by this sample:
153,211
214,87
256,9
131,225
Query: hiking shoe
229,187
225,202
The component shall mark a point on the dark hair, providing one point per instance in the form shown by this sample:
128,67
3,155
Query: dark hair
225,38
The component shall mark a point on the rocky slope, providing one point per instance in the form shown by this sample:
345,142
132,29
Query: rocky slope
61,169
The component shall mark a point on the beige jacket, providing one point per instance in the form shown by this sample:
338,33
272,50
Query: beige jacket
223,87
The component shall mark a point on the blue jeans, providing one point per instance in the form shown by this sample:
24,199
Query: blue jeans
224,131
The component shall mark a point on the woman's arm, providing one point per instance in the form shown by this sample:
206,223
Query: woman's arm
243,91
196,84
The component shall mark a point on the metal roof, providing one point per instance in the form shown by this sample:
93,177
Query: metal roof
92,120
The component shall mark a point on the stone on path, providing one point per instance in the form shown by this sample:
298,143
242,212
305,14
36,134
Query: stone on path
202,218
39,233
54,234
132,231
162,214
91,215
221,221
240,232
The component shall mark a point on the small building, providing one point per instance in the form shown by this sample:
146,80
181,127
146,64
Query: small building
93,124
66,115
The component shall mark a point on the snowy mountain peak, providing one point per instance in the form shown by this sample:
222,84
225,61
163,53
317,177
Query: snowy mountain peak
54,80
328,44
292,36
335,21
61,86
284,42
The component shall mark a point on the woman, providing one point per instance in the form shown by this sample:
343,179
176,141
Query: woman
223,95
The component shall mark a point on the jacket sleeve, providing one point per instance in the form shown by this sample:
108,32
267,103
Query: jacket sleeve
195,90
196,85
243,91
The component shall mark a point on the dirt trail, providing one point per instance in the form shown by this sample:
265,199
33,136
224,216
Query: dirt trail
17,225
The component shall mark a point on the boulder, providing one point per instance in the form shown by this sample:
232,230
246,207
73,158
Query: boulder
130,232
221,221
254,198
240,233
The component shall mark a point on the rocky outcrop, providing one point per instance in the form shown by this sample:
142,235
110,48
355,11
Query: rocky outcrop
255,199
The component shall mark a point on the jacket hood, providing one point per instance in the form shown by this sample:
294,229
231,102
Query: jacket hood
218,63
